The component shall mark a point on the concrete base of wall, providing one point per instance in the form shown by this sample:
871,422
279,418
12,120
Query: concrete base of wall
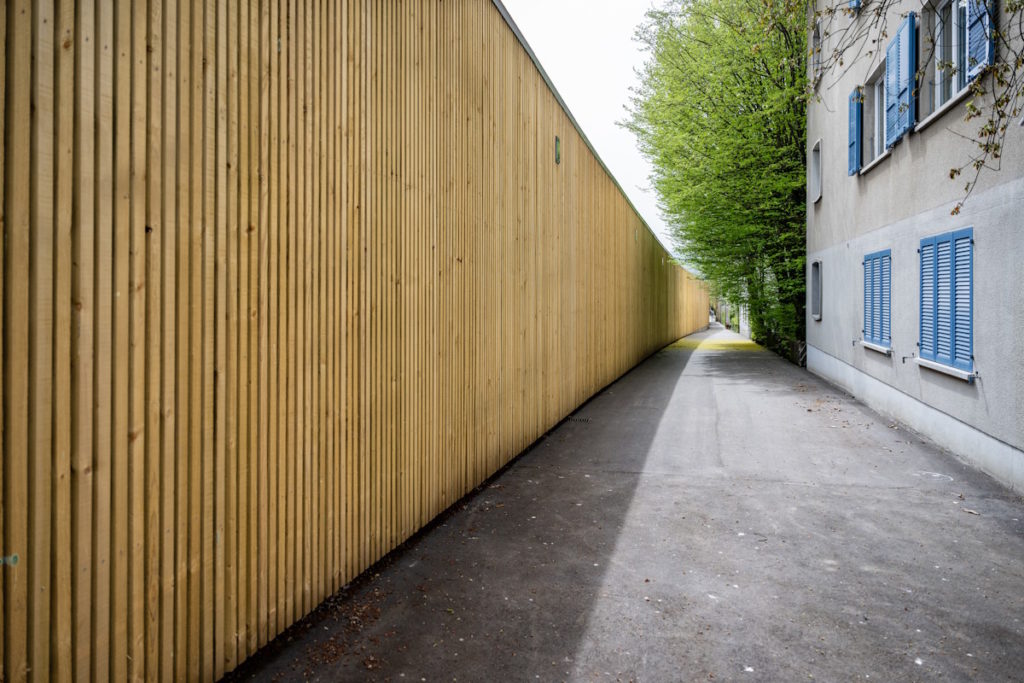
994,457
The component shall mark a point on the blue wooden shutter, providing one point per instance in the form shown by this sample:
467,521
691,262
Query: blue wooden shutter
963,299
877,296
856,103
892,71
947,299
885,299
980,43
927,343
900,75
908,74
855,5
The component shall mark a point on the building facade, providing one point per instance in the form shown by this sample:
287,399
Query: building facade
915,306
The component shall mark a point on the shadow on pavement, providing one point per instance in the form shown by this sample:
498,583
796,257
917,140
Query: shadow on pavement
501,585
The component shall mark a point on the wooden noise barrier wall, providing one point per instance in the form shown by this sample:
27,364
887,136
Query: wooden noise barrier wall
282,280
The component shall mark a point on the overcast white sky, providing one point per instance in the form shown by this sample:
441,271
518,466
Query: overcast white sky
587,49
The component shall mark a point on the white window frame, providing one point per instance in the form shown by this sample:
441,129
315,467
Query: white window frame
954,53
878,142
873,145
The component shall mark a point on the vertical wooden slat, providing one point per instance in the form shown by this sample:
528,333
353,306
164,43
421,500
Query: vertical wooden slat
391,425
104,412
405,289
136,296
264,492
314,243
152,48
329,266
184,488
341,212
189,308
16,247
279,393
210,605
365,399
300,271
290,354
235,630
165,256
61,566
345,114
3,385
249,310
321,248
40,339
120,45
374,295
224,330
3,358
82,357
313,449
271,398
376,304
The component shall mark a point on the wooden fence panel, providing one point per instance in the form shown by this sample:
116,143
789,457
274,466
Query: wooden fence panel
281,281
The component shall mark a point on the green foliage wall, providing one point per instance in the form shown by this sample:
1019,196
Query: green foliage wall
722,115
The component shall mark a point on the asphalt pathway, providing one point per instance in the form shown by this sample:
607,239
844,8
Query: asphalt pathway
716,514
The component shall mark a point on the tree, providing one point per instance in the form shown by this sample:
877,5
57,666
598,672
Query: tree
996,95
721,114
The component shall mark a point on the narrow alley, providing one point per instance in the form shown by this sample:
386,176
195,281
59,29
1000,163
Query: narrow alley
716,514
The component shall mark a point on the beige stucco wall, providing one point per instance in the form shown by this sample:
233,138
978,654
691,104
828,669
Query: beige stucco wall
915,176
903,198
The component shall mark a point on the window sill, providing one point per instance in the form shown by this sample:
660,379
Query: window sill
948,370
884,350
938,113
877,160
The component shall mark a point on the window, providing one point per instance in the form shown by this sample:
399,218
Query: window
814,173
879,109
900,71
949,34
816,290
878,298
947,299
856,106
873,116
961,47
946,72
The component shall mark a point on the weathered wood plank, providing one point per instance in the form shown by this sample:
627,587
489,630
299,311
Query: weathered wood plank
40,339
61,625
